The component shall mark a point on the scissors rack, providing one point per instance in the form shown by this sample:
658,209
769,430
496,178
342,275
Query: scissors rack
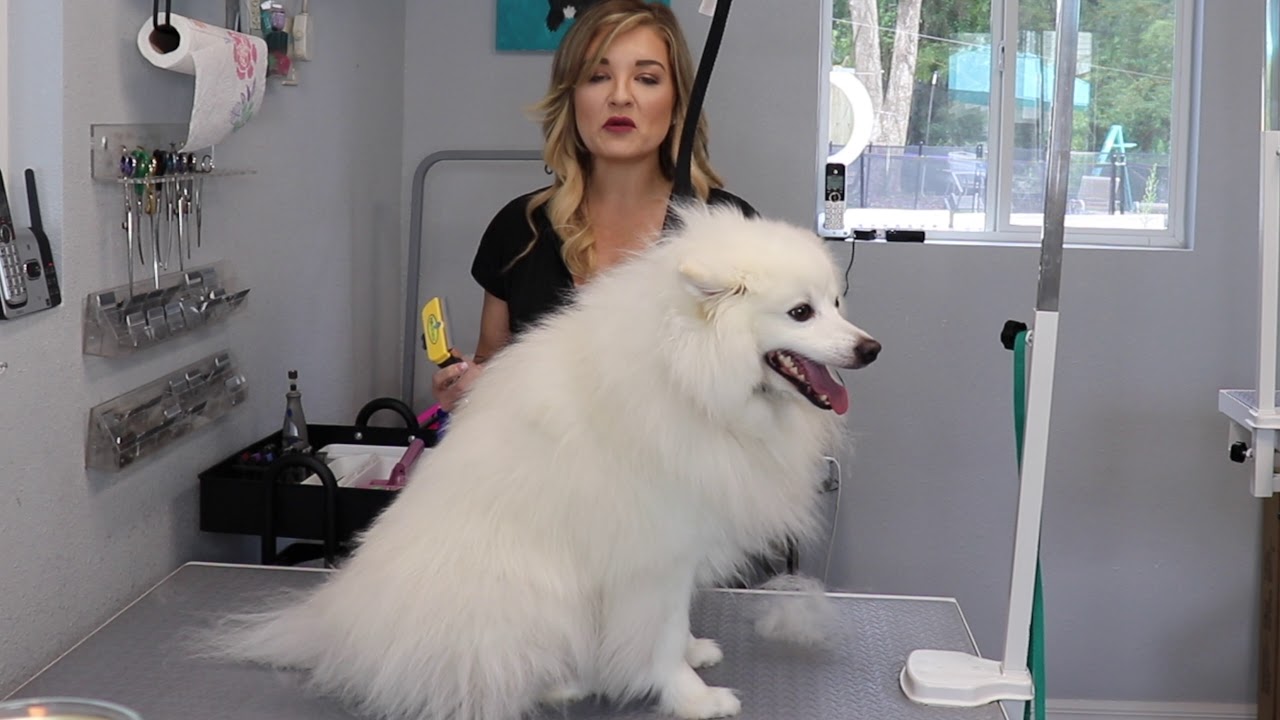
162,183
187,176
109,143
143,421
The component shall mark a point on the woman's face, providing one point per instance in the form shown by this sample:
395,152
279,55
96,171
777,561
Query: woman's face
624,109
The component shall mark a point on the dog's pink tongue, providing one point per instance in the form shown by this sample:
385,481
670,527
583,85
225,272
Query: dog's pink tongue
820,378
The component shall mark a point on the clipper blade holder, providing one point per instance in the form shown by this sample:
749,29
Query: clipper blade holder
144,421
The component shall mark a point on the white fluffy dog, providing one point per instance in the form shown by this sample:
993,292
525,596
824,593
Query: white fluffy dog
658,433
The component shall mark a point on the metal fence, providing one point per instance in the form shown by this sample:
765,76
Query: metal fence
947,177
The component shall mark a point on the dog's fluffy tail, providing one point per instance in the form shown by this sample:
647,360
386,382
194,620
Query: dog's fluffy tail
412,657
281,636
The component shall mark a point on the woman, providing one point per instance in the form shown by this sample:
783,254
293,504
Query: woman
611,120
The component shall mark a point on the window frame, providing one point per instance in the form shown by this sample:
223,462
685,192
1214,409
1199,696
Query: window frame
1000,229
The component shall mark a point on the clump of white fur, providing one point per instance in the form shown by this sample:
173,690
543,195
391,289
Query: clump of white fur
548,546
800,613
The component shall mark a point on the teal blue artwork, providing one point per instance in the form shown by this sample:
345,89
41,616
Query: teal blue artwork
537,25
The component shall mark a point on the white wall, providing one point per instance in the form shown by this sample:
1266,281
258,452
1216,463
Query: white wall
1151,557
313,233
4,86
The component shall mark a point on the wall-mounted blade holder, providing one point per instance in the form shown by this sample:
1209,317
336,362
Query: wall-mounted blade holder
124,320
143,421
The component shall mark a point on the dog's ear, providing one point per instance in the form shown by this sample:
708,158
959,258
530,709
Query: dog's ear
704,284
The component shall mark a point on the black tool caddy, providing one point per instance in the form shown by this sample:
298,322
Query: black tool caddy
253,492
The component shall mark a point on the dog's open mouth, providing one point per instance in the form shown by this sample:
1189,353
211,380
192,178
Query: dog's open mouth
811,378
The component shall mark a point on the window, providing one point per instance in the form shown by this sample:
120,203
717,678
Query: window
928,144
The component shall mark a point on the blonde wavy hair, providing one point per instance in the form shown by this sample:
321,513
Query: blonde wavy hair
564,151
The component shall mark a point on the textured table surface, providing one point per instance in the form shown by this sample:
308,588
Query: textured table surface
137,659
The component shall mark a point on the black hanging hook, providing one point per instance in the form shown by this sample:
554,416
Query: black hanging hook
164,36
155,13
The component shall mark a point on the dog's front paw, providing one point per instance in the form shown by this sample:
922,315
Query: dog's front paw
703,652
709,702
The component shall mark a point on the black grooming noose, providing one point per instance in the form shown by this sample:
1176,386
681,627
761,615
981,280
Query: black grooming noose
155,13
684,156
164,36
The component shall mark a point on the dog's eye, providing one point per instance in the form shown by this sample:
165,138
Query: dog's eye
801,313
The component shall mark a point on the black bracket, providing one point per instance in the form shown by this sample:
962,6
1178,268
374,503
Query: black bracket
1010,333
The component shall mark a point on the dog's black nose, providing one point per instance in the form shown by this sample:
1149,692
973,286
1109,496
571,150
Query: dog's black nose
867,351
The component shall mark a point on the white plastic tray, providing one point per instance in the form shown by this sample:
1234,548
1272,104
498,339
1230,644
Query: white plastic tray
359,465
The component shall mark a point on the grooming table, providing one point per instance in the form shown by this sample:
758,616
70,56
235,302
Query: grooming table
137,659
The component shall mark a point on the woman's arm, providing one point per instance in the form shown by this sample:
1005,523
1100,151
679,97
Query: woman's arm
495,328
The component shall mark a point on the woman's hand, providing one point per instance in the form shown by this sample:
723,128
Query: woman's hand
448,385
451,383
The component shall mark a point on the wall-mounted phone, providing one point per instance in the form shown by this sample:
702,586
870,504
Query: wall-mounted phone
833,196
28,277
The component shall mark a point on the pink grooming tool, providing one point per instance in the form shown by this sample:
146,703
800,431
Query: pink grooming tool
399,474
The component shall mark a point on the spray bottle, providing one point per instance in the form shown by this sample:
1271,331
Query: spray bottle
294,435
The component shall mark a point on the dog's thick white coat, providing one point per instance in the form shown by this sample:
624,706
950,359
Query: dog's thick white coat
631,445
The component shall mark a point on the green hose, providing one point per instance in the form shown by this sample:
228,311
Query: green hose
1035,648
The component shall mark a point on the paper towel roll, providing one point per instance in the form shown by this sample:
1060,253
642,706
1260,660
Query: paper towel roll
230,69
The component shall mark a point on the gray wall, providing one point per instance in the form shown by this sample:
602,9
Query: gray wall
313,233
1151,537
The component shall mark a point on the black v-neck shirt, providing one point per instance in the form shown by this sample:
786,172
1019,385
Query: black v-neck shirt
539,282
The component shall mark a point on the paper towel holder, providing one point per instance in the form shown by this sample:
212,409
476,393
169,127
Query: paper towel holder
164,37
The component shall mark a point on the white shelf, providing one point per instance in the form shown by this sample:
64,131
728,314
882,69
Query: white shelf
1242,407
